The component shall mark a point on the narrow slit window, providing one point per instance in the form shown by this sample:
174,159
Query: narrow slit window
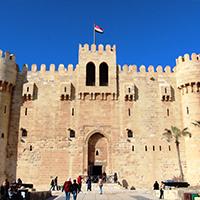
129,112
65,89
133,148
72,111
5,109
153,148
129,90
145,147
167,111
169,148
187,109
27,89
160,148
97,152
31,147
2,135
26,111
165,90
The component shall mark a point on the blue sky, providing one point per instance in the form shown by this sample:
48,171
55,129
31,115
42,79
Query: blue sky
149,32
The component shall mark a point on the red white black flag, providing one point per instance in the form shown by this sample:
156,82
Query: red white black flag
98,29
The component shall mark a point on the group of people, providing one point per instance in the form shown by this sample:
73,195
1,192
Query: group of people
54,184
11,191
73,188
161,187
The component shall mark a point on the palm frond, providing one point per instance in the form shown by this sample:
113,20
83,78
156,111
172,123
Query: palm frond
168,135
196,123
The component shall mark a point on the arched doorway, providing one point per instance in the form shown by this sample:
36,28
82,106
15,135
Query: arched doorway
97,154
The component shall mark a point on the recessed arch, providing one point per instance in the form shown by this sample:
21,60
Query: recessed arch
103,74
97,154
90,74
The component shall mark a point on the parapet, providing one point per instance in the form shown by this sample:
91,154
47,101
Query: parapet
94,48
143,69
7,56
182,59
8,68
52,68
188,70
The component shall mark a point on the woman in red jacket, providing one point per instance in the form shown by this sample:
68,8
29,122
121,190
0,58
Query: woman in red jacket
67,188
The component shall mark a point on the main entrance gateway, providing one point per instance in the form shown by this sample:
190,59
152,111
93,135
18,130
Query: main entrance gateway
97,154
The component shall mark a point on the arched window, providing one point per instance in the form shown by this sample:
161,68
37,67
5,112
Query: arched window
103,74
90,74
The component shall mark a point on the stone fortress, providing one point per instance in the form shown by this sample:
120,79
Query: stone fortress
98,117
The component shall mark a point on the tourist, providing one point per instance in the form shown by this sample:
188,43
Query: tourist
104,176
115,177
52,184
6,186
2,192
100,185
89,183
74,189
162,187
67,188
79,181
156,186
56,183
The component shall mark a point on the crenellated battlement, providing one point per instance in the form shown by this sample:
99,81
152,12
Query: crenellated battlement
143,69
187,57
6,56
52,68
94,48
8,70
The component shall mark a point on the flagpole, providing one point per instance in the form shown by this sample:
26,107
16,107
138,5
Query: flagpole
94,35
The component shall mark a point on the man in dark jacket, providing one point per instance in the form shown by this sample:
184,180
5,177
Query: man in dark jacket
74,189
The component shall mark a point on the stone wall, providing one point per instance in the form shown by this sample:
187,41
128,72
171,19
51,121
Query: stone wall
61,127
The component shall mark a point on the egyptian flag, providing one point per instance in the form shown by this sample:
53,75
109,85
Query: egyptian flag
98,29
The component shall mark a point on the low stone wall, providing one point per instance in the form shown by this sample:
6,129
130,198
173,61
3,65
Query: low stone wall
42,195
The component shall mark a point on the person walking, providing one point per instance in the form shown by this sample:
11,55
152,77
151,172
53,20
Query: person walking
162,187
56,183
74,189
89,183
67,188
100,185
79,181
52,185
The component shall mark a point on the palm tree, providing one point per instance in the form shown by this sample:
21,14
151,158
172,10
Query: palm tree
196,123
175,133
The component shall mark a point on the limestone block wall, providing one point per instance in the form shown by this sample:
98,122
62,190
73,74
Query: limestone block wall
188,82
46,148
58,126
8,71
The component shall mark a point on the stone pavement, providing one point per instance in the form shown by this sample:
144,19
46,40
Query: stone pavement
112,192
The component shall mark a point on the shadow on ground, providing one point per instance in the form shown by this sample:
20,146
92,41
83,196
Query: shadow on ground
140,198
53,197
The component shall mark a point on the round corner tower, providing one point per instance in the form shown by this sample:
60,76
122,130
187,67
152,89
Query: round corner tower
8,73
188,82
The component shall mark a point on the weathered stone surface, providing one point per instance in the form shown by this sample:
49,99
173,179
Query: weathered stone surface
118,120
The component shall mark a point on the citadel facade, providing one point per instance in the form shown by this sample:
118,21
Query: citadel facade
97,117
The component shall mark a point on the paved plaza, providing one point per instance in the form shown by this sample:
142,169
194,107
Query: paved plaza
112,192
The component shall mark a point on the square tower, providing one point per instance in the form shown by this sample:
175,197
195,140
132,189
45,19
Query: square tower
97,70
